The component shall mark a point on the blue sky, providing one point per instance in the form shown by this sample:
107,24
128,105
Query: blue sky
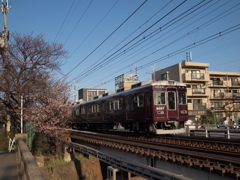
105,38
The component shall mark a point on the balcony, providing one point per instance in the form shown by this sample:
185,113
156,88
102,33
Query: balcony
235,83
198,91
199,106
236,107
219,108
195,77
236,95
218,83
218,96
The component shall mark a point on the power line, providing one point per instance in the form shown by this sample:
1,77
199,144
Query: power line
78,22
187,34
107,38
105,61
184,49
95,27
64,20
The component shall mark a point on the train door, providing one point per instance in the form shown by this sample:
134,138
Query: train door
129,107
148,106
172,103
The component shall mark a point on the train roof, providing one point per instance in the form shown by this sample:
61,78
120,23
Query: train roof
136,86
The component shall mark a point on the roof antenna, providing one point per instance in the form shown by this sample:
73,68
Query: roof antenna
189,56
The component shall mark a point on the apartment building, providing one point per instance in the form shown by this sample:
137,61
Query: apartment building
206,90
88,94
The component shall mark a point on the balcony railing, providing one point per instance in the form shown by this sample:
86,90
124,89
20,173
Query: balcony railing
236,95
218,108
197,76
218,83
236,107
199,106
218,95
198,91
235,83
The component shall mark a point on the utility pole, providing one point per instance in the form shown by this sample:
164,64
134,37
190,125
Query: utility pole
153,73
4,37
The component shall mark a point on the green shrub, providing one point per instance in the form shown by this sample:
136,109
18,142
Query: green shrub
4,139
40,145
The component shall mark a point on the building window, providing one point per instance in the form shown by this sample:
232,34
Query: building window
235,82
165,76
197,101
236,106
190,101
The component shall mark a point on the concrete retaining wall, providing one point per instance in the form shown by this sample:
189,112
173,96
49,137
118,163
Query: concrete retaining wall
27,166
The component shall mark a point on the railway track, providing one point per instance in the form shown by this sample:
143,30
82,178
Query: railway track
211,155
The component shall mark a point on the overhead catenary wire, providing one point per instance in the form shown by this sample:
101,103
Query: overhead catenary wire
187,34
64,20
106,38
184,49
95,27
135,30
137,35
106,61
78,22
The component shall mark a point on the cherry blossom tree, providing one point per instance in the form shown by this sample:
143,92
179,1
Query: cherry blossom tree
29,74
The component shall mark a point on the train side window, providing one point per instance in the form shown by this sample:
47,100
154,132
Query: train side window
182,98
129,103
171,100
120,103
116,104
140,100
83,110
110,105
159,98
104,106
97,110
89,109
77,111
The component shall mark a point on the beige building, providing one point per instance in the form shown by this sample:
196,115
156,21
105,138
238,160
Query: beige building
88,94
206,90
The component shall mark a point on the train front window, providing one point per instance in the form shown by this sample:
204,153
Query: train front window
159,98
182,98
171,100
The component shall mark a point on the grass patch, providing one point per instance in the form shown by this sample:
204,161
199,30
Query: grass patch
80,157
54,162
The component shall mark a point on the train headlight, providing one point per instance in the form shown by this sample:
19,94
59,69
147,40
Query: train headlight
160,112
183,111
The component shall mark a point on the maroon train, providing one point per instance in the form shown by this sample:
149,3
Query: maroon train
159,107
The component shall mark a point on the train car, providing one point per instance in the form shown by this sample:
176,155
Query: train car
157,107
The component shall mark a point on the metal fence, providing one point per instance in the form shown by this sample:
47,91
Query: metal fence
214,130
